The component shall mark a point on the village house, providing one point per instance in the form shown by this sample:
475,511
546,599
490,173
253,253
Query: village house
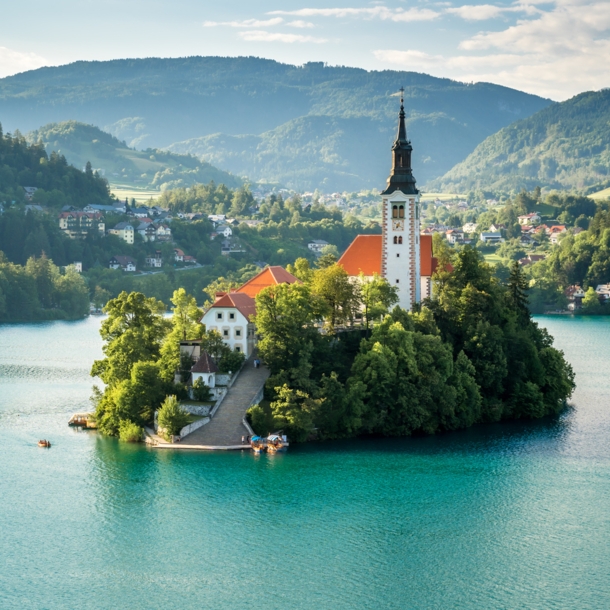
178,255
316,245
470,227
575,294
124,230
230,314
491,237
29,192
78,224
155,260
454,236
224,230
126,263
529,219
231,246
531,258
497,228
603,292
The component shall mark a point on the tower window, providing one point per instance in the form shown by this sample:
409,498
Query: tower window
400,239
395,239
394,211
398,281
398,255
401,211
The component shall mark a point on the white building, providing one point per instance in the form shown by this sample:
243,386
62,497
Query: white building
154,260
529,219
205,369
126,263
316,245
125,231
230,316
491,237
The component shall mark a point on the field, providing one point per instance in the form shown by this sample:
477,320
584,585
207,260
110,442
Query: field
123,191
441,196
605,194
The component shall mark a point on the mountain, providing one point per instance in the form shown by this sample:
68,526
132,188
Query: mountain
353,112
564,146
117,162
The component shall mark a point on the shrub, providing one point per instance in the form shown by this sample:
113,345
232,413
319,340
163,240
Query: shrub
260,418
129,432
231,362
201,391
172,417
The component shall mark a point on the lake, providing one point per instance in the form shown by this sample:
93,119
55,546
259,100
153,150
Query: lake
499,516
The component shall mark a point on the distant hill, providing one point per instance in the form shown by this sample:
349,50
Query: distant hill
118,163
158,102
566,145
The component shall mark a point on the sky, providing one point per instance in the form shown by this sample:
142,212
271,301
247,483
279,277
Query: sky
555,48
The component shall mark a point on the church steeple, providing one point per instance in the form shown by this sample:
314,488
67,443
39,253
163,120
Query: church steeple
401,176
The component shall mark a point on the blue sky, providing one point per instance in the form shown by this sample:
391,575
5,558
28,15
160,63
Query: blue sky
552,48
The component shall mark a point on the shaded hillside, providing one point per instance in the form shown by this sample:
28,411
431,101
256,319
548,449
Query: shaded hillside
157,102
152,168
566,145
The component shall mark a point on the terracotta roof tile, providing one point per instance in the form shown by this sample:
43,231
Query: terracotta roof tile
270,276
242,302
205,364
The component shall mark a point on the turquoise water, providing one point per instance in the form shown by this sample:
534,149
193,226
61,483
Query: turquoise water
501,516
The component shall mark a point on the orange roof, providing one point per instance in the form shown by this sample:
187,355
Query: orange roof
270,276
242,302
364,254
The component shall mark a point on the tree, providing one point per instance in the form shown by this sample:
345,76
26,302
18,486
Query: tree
213,344
590,301
201,391
231,362
294,411
133,332
337,292
172,417
377,296
517,291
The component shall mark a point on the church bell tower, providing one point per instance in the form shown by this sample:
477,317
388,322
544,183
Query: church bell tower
400,262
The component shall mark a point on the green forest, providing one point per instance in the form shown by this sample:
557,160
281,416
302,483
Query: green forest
563,146
150,168
342,120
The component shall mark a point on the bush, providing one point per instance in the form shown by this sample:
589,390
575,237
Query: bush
231,362
172,417
260,419
130,432
201,391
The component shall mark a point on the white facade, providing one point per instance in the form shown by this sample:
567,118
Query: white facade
233,327
401,265
208,378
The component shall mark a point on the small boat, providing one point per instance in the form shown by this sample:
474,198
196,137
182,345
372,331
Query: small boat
44,443
257,444
276,443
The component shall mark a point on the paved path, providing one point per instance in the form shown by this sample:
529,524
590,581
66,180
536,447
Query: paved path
226,427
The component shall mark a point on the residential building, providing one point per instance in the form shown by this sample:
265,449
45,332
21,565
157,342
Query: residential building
529,219
497,228
491,237
125,231
231,246
603,292
454,236
470,227
178,255
163,233
154,260
78,224
190,260
112,209
224,230
78,266
147,230
34,208
29,192
317,245
575,294
126,263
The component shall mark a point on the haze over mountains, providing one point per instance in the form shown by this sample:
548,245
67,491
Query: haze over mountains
305,127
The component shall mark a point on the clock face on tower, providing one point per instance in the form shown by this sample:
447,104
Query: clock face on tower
398,225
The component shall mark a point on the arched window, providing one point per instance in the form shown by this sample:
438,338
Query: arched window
400,240
401,211
394,211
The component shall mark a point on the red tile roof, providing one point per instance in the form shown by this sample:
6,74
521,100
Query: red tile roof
242,302
270,276
364,254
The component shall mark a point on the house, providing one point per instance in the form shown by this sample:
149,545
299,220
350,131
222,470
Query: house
78,224
554,232
190,260
575,294
126,263
317,245
603,292
147,230
470,227
454,236
531,258
178,255
94,207
491,237
529,219
204,369
365,255
77,266
224,230
34,208
230,315
125,231
231,246
164,233
497,228
29,192
139,212
154,260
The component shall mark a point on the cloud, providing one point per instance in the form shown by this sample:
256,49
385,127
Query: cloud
12,62
376,12
247,23
556,52
298,23
478,12
262,36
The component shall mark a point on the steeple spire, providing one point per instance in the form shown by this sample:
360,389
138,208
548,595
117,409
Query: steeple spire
401,176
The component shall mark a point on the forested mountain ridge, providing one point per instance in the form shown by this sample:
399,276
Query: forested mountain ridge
152,168
157,102
566,145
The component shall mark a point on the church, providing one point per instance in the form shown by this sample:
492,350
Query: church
400,254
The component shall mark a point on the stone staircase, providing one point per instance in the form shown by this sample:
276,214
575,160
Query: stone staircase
226,427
